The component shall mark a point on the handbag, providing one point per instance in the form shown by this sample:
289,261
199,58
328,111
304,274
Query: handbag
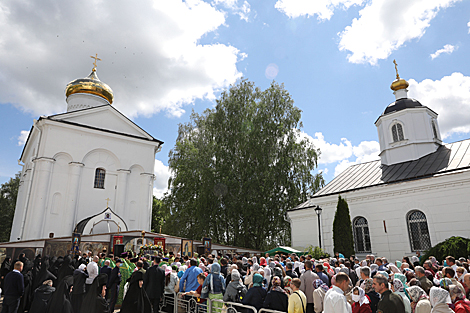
205,289
177,285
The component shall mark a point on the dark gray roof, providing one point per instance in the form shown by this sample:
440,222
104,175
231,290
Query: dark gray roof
402,104
448,158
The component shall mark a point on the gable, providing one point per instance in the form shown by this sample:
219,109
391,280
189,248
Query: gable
103,117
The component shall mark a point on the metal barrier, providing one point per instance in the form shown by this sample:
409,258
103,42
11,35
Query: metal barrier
269,311
234,307
190,304
169,300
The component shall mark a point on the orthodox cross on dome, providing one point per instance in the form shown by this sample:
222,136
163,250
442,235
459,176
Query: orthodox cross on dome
94,63
396,69
107,202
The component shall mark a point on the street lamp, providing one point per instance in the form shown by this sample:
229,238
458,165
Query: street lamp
318,211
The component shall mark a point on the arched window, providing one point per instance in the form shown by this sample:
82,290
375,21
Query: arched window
361,235
418,231
100,173
434,129
397,132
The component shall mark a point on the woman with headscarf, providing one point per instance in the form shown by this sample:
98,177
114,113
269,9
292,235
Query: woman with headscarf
262,261
461,305
373,269
361,301
440,299
94,301
267,276
5,269
394,269
287,285
256,294
235,291
419,299
60,301
399,289
445,282
136,299
229,274
320,289
79,287
374,297
215,283
276,298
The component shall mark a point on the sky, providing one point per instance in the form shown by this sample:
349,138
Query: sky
164,59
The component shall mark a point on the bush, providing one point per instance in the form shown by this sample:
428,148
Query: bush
453,246
343,240
316,252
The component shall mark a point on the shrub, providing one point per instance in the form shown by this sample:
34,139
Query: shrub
316,252
453,246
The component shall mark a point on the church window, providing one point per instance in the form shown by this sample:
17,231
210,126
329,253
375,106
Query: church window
418,231
99,178
361,235
434,129
397,132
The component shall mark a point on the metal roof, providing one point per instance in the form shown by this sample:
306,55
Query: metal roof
447,158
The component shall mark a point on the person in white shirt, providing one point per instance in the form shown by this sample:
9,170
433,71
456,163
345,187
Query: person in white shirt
335,301
93,271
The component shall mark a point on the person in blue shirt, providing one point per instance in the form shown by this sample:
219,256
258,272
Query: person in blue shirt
319,269
190,277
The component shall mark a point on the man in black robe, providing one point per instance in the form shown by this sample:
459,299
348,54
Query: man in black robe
154,283
114,281
41,297
78,291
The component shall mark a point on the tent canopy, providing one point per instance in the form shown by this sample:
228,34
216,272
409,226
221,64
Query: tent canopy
284,250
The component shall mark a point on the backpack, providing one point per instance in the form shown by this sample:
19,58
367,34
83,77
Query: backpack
239,296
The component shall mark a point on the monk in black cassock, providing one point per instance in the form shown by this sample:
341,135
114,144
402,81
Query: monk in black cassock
60,301
41,297
6,267
94,301
44,274
136,300
66,269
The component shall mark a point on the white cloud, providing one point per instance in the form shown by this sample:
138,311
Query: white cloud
324,9
152,58
449,97
243,10
162,174
366,151
468,24
386,25
23,137
447,49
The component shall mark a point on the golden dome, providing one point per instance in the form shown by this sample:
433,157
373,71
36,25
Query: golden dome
398,84
92,85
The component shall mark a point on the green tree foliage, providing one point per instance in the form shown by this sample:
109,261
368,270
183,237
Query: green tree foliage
159,215
8,194
238,167
316,252
453,246
343,240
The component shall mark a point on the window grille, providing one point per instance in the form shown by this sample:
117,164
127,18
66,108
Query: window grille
397,132
99,178
361,235
418,231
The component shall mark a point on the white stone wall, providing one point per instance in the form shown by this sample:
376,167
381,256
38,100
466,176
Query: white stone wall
443,199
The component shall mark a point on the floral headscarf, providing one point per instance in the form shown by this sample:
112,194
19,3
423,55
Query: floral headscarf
368,285
438,295
445,283
318,283
416,293
393,268
456,292
398,285
362,295
330,271
276,282
287,281
400,277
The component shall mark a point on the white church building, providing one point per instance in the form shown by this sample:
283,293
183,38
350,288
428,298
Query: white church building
414,197
88,170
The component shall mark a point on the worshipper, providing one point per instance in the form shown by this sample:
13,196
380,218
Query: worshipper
419,300
44,274
79,289
92,270
189,277
66,268
60,300
94,301
408,262
136,299
319,268
450,273
287,285
13,289
106,269
224,266
276,298
298,300
4,270
390,302
235,291
321,289
361,302
466,282
399,288
373,269
113,284
215,283
290,270
41,297
171,286
126,268
461,305
198,292
307,279
423,280
460,272
429,267
26,300
335,301
440,299
229,275
364,274
154,282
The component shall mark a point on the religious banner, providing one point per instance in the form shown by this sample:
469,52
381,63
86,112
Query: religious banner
159,241
207,246
76,239
187,248
117,240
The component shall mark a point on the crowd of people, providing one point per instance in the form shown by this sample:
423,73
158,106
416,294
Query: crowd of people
285,283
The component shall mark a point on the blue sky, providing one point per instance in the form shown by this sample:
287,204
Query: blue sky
165,58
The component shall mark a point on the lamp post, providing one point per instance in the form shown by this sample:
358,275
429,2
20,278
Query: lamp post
318,211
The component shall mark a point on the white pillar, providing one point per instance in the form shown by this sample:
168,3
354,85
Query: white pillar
145,220
36,210
23,190
120,206
72,199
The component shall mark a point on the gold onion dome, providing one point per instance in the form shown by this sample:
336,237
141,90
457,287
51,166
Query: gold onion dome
90,84
398,83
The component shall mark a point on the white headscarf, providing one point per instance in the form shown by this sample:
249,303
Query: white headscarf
358,272
267,273
254,259
364,263
362,295
438,295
